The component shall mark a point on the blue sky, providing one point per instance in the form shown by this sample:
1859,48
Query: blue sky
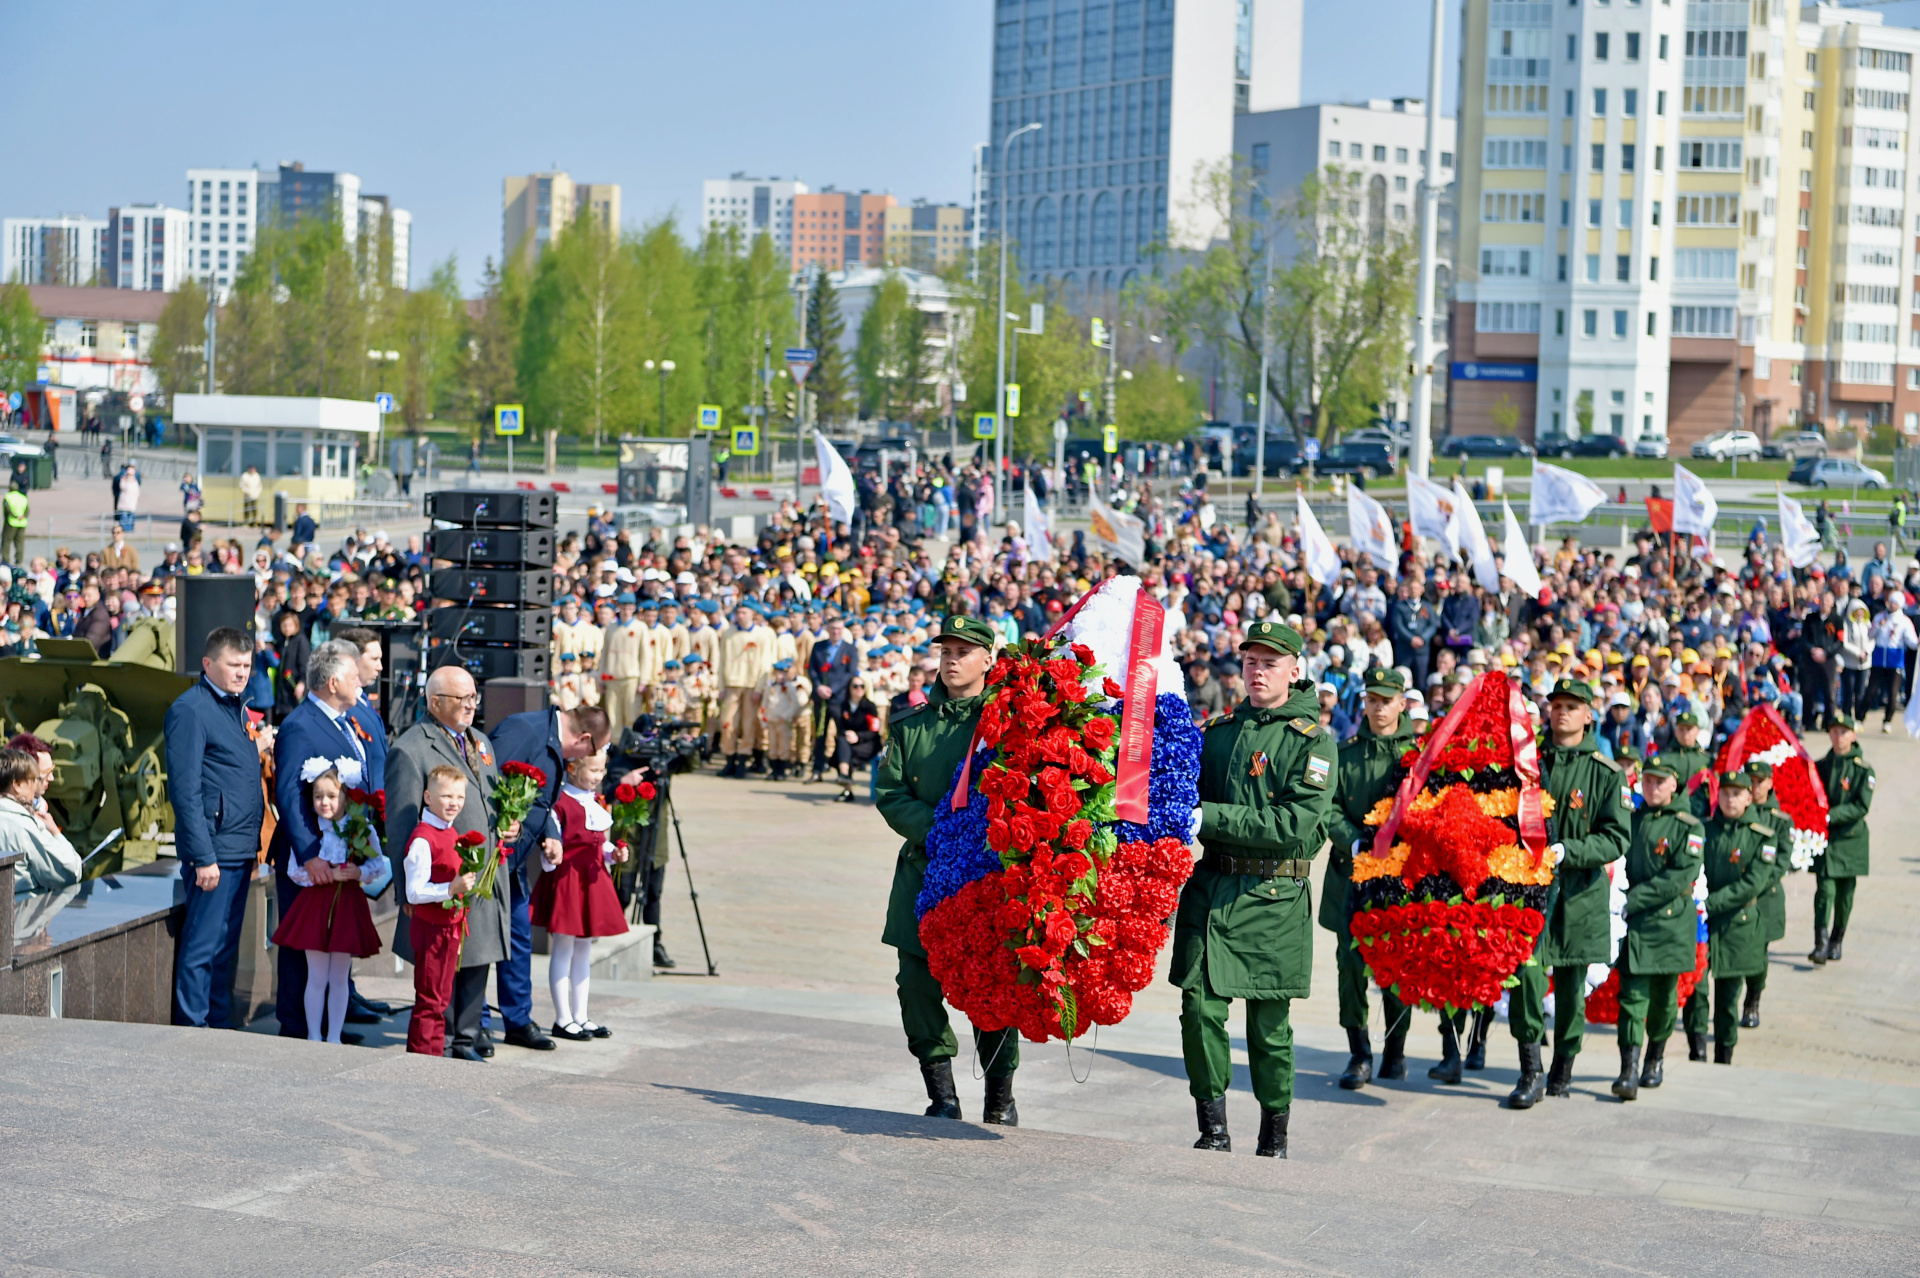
434,103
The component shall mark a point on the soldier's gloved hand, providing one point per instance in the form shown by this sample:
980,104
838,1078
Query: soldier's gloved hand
1559,851
1193,831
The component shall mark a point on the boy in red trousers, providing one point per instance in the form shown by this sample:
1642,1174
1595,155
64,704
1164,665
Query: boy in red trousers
434,888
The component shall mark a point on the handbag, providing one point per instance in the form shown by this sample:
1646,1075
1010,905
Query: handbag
381,881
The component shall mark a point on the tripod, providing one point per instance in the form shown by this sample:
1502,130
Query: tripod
665,799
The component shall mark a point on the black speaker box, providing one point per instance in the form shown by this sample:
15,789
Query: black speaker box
493,585
204,605
508,696
402,649
492,624
477,506
511,548
492,663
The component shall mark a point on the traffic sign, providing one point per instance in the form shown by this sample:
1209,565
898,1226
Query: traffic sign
746,441
800,362
1110,439
14,401
1099,332
1311,451
1013,399
384,401
985,425
709,417
508,419
138,403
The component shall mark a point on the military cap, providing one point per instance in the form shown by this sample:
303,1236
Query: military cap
971,629
650,605
708,605
625,597
1688,719
1386,681
1576,689
1659,767
1739,779
1760,770
568,656
671,664
1277,635
1841,719
785,663
693,659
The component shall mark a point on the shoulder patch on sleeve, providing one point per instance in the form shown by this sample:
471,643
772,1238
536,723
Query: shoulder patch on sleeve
1319,771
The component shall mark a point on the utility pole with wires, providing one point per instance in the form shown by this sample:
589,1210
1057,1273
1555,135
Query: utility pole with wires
1423,349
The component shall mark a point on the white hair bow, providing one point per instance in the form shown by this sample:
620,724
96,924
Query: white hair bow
319,765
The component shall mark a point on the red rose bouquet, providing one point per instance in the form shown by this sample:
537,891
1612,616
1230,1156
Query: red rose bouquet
517,790
632,807
478,860
365,816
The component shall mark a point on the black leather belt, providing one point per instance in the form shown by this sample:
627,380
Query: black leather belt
1291,869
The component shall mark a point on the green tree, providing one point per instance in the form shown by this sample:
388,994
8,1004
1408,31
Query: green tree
1156,402
180,341
670,328
489,371
22,333
890,353
826,331
1052,369
426,331
301,317
583,320
746,313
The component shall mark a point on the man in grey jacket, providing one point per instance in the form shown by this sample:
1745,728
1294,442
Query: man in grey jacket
448,737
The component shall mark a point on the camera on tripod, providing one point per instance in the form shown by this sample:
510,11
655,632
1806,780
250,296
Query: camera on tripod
666,746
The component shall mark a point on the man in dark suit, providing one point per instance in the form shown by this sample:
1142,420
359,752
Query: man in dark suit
546,739
213,781
831,666
1411,625
319,727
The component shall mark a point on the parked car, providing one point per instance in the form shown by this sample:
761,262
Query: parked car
1583,446
14,446
1727,445
1396,440
1365,458
1652,447
1282,457
1835,472
1795,444
1484,446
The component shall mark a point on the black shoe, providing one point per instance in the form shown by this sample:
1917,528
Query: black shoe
461,1052
1477,1043
1627,1086
484,1046
1532,1084
1723,1053
1750,1010
759,765
572,1032
939,1080
846,796
1560,1077
1447,1072
1833,946
1819,955
597,1031
1696,1046
352,1039
529,1037
357,1017
1393,1059
660,956
1359,1071
1651,1073
1273,1134
999,1108
355,1003
1213,1125
779,769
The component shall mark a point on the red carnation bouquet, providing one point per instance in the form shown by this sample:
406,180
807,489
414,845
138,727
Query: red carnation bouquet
517,790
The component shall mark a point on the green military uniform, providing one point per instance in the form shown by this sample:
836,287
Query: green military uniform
1773,899
1849,780
1591,822
924,747
1688,762
1663,862
1741,853
1368,764
1245,924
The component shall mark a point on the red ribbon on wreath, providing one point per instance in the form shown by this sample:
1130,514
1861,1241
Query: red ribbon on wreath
1136,714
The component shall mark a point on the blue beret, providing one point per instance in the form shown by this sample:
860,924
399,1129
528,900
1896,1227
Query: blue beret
625,597
785,663
670,664
708,605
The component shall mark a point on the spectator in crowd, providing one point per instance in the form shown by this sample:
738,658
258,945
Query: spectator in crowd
27,829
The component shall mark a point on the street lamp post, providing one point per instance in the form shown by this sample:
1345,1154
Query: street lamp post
1000,365
380,436
1423,352
663,367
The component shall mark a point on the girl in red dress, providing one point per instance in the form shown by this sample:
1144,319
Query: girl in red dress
331,922
576,901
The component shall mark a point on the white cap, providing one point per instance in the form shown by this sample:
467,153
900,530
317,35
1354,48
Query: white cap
624,575
685,579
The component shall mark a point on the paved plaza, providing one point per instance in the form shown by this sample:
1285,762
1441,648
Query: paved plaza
768,1121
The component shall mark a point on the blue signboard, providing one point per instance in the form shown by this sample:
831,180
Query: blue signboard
1474,371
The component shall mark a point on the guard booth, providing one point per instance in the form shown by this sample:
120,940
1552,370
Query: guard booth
48,407
306,448
667,481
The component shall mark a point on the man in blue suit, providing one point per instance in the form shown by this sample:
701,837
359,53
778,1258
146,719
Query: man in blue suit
546,739
371,730
319,727
213,780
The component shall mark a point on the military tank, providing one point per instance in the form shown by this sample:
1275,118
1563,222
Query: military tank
104,720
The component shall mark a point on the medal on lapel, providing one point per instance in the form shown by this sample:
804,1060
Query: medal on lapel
1576,801
360,732
1259,764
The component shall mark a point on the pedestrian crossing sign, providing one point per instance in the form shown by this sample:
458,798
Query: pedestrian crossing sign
1110,439
508,420
709,417
746,441
985,425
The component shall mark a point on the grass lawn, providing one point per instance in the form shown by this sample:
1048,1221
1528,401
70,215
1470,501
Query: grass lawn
1624,467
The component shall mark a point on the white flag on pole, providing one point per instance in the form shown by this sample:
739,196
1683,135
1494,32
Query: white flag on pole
1694,508
1517,556
1797,533
1038,528
1115,532
1316,548
836,481
1473,536
1432,510
1561,496
1371,529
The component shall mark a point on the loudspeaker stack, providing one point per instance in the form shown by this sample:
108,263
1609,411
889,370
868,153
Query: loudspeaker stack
492,586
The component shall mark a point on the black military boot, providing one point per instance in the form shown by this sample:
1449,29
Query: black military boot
1448,1070
1477,1043
1393,1058
736,767
939,1078
1696,1046
1819,956
1750,1010
1627,1086
779,769
1833,945
759,765
1723,1053
1359,1070
999,1106
1560,1077
1651,1074
1213,1125
1532,1084
1273,1133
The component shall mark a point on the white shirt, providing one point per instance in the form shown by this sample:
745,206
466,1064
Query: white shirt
599,819
345,725
421,890
333,850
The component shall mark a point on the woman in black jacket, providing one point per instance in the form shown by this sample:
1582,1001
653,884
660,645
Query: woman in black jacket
291,647
856,732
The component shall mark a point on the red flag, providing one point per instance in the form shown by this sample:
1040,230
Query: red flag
1660,514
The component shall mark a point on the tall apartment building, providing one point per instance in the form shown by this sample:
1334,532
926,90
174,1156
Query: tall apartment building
146,247
752,206
388,233
927,237
838,230
1133,99
68,249
538,207
1683,218
227,208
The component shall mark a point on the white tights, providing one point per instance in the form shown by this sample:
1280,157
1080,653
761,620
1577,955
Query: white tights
326,984
569,969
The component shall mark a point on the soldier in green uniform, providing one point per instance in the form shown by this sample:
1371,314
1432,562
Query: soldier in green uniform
1848,779
1740,857
1663,860
1690,761
1590,828
924,746
1245,925
1773,901
1367,770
